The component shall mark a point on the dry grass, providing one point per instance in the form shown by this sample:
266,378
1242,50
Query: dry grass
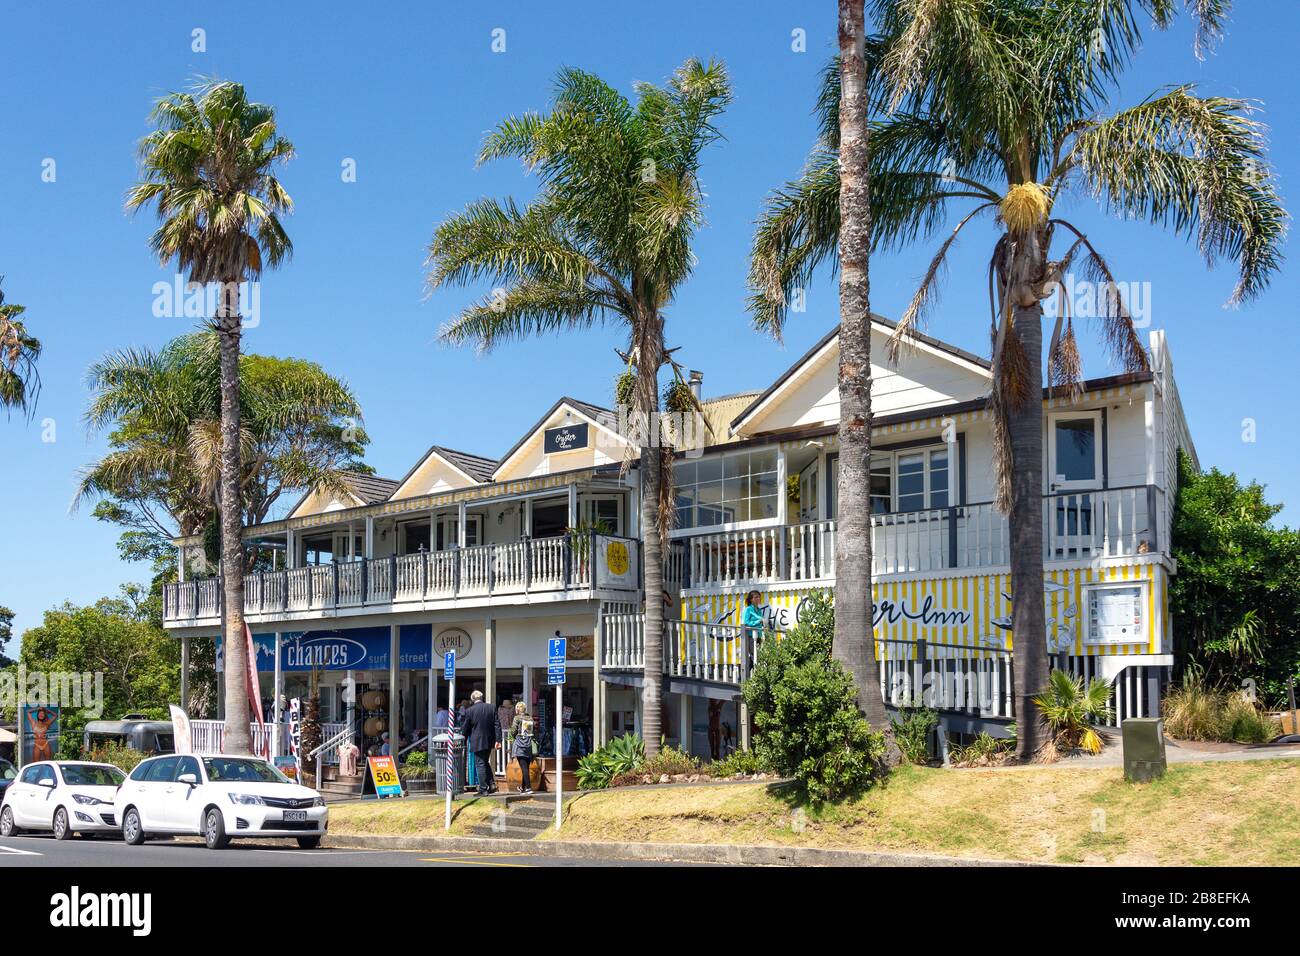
407,817
1227,813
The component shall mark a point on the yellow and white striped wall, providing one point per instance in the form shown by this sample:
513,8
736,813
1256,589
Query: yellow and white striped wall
972,609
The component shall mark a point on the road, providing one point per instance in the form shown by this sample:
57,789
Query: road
26,851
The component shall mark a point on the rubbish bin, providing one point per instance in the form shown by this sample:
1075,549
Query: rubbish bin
440,742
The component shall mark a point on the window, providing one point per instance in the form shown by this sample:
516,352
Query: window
1075,451
163,770
141,770
245,770
31,774
188,765
1116,613
91,775
913,479
727,490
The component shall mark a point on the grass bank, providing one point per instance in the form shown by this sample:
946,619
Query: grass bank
1229,813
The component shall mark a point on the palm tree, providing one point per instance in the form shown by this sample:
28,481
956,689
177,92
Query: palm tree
298,429
20,382
1002,104
208,167
607,240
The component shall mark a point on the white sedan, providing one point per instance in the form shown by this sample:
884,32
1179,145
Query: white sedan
62,796
217,797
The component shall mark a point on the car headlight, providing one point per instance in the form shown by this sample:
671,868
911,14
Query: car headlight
247,799
318,802
86,801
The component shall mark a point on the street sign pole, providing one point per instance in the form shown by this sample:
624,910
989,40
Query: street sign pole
556,667
449,672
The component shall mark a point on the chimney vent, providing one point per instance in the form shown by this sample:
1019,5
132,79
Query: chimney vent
696,383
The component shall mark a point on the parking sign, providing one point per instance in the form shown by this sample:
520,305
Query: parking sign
449,666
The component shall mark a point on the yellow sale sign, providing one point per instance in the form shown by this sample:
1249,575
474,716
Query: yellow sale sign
383,771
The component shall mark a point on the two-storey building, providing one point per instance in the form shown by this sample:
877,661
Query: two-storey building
491,557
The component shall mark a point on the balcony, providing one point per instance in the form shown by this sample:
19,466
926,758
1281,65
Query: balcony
958,678
558,566
1081,525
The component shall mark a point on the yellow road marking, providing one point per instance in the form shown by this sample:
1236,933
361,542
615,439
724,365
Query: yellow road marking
471,862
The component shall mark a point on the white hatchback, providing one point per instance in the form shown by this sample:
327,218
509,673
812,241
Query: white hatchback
217,797
62,796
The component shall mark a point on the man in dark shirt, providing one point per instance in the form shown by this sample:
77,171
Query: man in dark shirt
482,735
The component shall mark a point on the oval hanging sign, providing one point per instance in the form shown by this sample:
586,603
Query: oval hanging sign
453,639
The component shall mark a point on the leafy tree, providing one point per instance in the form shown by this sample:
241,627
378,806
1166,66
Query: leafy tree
114,637
1005,109
6,632
607,240
299,429
207,167
806,713
20,380
1235,601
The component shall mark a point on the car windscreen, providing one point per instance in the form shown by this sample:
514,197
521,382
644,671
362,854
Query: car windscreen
81,775
7,770
227,769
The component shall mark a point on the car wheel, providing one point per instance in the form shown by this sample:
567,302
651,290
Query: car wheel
7,826
309,843
132,830
61,828
214,830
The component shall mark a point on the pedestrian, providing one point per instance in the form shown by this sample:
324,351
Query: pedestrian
482,736
442,719
523,745
384,749
715,729
505,714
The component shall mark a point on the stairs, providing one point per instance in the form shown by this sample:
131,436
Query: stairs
521,817
340,787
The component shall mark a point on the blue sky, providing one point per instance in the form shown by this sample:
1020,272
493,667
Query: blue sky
407,91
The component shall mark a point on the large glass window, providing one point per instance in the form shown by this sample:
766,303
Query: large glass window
727,490
911,480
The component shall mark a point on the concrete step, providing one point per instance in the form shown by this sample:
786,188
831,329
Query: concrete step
510,831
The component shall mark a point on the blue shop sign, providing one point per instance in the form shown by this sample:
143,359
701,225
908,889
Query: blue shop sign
341,649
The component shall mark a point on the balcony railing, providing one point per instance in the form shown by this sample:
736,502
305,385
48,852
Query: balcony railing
1115,522
913,673
523,567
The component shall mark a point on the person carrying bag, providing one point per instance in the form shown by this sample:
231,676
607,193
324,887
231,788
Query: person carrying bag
523,745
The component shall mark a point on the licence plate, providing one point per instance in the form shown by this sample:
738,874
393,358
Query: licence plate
295,815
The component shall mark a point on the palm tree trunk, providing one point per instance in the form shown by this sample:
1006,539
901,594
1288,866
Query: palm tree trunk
1028,618
853,645
237,739
650,357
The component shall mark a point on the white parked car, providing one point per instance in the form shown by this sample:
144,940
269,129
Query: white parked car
217,797
63,796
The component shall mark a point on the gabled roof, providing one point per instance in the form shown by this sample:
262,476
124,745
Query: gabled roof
600,415
363,489
369,489
877,320
475,468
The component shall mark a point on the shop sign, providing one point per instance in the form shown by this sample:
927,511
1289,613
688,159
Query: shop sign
565,438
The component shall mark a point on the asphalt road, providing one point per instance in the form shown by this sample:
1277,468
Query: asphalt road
25,851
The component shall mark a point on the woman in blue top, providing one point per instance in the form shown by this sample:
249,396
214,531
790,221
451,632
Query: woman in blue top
753,614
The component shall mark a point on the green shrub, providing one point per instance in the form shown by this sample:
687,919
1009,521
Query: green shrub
621,755
1196,711
806,713
669,761
912,732
1070,708
120,756
417,758
747,762
984,751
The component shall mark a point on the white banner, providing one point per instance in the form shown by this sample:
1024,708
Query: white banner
181,730
615,562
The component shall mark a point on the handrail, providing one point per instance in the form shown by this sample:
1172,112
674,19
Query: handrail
345,732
